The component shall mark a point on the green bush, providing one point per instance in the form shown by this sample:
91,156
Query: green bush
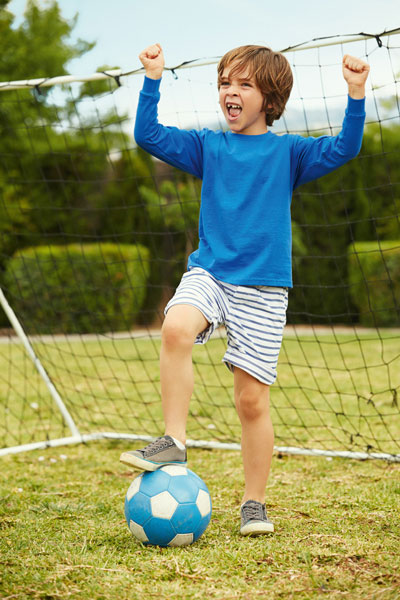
374,278
78,288
356,202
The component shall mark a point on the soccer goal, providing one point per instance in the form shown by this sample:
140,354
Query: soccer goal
95,234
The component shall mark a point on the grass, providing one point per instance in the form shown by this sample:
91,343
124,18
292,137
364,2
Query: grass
62,530
333,391
63,535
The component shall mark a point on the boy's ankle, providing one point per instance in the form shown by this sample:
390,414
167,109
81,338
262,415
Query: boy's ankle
254,498
180,442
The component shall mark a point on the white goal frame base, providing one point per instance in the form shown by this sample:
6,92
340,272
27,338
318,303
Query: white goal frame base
78,438
106,435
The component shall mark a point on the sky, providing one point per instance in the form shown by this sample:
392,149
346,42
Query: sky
189,30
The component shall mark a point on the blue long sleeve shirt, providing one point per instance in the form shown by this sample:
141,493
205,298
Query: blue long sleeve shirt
248,181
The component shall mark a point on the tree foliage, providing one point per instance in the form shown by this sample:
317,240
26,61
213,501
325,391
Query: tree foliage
67,177
63,178
40,46
358,202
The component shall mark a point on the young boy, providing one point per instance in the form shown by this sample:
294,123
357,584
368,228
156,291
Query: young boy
240,274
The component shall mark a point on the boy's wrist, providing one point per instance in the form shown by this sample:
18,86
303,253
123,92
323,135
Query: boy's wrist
357,92
154,74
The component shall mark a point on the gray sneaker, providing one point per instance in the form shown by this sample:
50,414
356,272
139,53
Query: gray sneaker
163,451
254,519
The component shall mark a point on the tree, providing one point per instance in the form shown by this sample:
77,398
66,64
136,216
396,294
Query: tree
57,168
59,175
40,46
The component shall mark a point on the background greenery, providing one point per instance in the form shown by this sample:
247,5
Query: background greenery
61,185
77,288
374,293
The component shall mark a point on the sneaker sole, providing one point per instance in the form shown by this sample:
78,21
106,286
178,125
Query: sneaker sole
146,465
257,528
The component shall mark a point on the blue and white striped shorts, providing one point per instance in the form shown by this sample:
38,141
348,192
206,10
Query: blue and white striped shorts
254,317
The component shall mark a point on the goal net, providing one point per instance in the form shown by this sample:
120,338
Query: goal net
95,235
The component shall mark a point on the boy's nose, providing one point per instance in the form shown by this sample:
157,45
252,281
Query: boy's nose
232,89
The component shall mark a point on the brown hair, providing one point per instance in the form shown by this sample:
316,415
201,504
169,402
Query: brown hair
271,71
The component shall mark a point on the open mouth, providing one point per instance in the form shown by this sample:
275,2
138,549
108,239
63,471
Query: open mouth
234,110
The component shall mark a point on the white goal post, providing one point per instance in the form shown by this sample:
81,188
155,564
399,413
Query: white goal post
93,373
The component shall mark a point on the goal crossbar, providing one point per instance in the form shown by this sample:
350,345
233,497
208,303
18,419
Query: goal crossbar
117,73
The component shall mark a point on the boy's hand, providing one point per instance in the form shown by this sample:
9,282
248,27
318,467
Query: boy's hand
152,58
355,72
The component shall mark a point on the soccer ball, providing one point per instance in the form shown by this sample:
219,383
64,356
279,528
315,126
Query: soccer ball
168,507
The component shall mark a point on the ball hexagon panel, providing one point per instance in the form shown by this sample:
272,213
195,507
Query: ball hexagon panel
182,539
186,518
138,508
153,482
163,505
203,503
198,480
174,470
134,487
183,488
159,531
138,531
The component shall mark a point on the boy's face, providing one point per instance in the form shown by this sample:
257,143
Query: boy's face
241,102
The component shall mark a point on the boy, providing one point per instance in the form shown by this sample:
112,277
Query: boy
241,272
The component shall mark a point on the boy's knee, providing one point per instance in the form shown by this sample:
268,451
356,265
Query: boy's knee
252,405
175,334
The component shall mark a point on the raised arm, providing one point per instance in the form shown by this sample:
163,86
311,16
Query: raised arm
315,157
178,147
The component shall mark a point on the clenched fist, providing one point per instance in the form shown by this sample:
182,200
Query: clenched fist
152,58
355,72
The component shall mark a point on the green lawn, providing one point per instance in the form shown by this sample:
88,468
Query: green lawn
62,530
333,392
63,535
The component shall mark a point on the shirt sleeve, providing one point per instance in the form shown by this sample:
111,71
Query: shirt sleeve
178,147
314,157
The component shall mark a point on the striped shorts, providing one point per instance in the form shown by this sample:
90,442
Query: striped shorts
254,317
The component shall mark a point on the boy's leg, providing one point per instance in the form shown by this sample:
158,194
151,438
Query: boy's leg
182,324
252,404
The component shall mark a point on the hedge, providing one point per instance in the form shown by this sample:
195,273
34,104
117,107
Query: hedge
77,288
374,280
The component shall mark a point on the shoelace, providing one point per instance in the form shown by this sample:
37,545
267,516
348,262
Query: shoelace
158,444
253,512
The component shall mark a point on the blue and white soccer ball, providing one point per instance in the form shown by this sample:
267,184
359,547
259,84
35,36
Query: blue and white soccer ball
168,507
